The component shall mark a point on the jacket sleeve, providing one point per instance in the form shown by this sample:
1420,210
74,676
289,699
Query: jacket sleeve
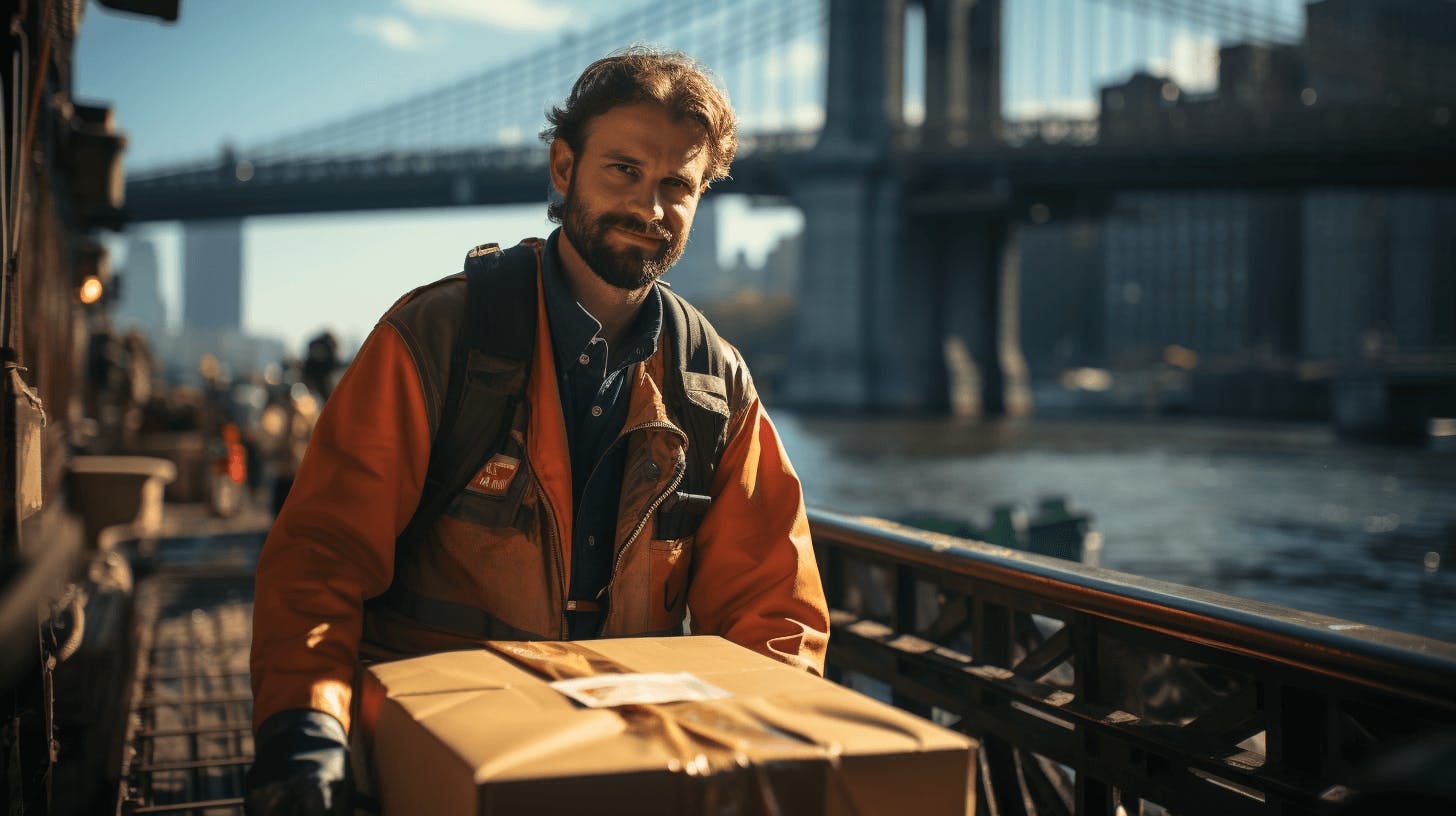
755,580
332,545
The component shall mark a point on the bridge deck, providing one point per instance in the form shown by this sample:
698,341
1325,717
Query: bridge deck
190,735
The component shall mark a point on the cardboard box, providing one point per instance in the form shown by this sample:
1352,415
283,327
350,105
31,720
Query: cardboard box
476,732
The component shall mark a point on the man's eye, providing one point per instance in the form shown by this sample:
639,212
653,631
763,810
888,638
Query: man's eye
625,168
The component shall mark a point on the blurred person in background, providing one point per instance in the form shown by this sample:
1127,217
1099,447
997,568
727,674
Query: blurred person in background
321,364
287,422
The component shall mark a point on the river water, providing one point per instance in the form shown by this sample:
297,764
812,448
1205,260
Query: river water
1283,514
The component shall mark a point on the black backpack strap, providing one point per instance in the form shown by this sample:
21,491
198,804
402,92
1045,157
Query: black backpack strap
699,400
490,364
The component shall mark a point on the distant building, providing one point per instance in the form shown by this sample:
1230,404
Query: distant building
1388,51
1063,272
1259,77
701,279
779,274
141,306
240,354
1378,265
697,275
1138,109
1322,275
212,276
1379,273
1255,83
1215,272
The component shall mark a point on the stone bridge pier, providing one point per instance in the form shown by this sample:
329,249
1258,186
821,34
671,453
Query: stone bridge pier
906,303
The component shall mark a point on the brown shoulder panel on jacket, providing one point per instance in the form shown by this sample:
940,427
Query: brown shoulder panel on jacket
428,319
739,382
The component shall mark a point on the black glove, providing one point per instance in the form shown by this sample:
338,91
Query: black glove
301,767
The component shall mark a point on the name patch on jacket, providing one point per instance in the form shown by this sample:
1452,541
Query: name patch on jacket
495,478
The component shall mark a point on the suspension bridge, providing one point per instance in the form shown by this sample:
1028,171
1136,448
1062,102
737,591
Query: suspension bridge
917,136
1032,80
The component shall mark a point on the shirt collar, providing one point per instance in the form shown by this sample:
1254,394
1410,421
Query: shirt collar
574,329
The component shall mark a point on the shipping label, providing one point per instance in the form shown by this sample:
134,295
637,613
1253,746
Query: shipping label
608,690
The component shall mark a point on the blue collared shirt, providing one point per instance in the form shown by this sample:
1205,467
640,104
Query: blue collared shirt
595,386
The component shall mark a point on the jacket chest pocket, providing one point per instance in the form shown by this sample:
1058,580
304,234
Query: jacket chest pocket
496,496
675,525
669,569
679,515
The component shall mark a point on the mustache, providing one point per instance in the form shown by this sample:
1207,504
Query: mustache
635,224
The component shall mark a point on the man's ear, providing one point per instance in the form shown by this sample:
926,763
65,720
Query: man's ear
562,162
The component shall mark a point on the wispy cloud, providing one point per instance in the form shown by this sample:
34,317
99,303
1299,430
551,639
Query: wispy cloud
391,31
511,15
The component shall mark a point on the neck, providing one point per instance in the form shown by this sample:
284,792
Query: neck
614,308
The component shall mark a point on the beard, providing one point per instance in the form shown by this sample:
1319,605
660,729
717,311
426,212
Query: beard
630,268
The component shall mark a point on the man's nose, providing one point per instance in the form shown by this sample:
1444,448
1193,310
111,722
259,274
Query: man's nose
646,203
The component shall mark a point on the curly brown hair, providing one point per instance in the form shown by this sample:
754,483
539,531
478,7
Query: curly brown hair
671,79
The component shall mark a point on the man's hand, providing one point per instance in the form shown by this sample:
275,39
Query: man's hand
301,768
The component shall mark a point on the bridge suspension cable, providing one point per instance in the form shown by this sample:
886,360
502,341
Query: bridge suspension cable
768,52
1253,21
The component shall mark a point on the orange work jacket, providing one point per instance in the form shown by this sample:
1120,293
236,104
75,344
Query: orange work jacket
748,574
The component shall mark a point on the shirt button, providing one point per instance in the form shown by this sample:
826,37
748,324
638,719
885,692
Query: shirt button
591,541
583,359
596,410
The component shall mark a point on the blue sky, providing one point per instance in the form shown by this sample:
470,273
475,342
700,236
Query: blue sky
224,74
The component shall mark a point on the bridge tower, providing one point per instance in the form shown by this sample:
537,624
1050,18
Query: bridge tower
850,202
962,70
905,303
968,238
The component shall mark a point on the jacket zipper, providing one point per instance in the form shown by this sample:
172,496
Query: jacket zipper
679,470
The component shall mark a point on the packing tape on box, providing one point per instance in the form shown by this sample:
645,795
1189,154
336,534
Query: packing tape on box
706,738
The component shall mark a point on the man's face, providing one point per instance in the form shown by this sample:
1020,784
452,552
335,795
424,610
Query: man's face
631,192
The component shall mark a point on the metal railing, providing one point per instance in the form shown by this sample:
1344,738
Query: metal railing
1093,690
1089,689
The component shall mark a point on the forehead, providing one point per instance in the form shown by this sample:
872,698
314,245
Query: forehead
648,132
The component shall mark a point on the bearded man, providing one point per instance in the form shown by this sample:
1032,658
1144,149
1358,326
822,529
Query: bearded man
628,480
